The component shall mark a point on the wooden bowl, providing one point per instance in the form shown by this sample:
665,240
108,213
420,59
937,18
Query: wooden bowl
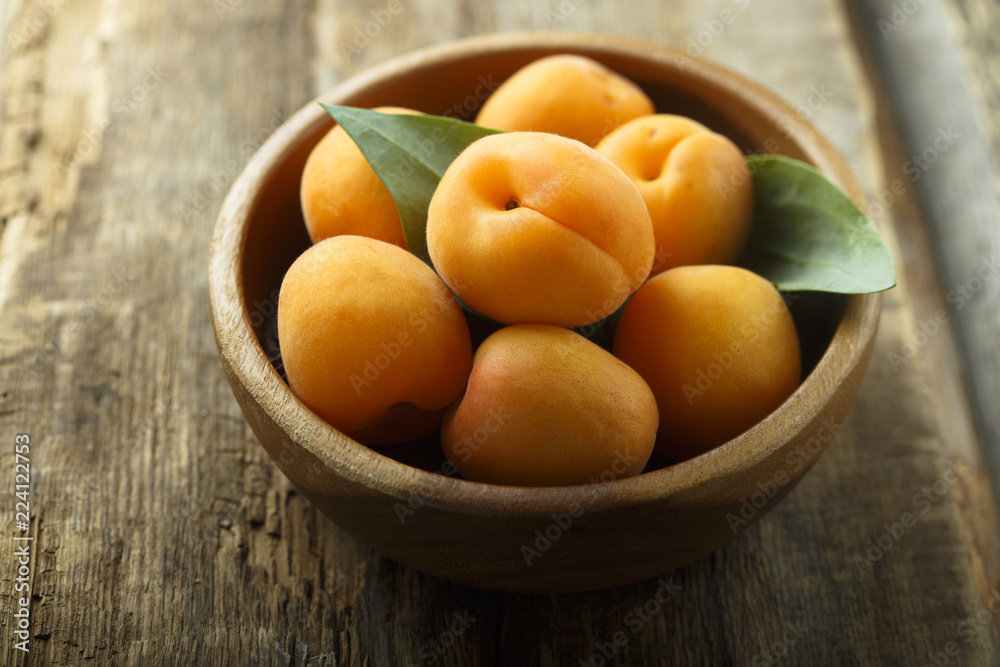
551,539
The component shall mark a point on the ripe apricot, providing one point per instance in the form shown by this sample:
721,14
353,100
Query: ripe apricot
696,185
527,227
717,346
341,194
371,339
546,407
572,96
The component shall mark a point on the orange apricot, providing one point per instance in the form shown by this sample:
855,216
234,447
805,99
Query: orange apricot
528,227
696,185
546,407
717,346
371,339
341,194
569,95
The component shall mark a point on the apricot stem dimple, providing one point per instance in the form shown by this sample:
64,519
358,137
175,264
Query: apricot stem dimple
652,171
511,204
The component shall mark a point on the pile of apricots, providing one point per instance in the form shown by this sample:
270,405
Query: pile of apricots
588,202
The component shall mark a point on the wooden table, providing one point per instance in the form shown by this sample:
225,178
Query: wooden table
163,534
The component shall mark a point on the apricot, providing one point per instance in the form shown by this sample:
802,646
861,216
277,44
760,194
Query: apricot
371,339
717,346
341,194
572,96
696,185
527,227
546,407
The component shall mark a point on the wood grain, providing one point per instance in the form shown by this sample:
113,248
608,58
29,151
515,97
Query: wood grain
163,532
948,163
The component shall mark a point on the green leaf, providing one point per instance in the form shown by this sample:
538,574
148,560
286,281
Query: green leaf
807,235
410,154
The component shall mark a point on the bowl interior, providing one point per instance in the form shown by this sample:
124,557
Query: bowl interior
276,231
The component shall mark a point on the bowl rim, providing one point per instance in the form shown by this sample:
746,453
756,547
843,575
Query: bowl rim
354,462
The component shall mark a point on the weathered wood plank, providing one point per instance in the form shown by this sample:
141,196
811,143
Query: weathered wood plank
165,534
947,131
